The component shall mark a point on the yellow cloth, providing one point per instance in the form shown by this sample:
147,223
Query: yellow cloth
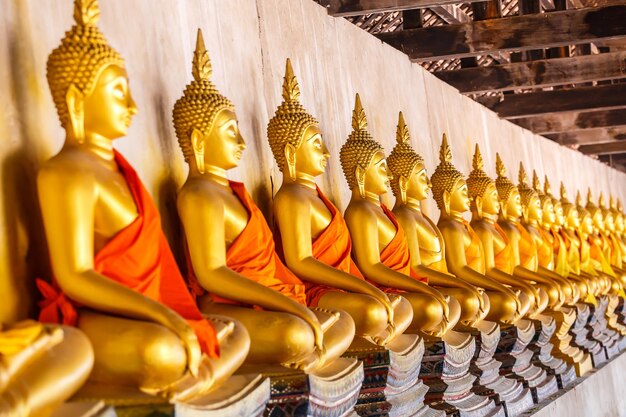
19,336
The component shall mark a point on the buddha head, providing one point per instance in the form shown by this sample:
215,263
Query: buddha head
88,80
205,121
450,189
363,159
616,207
607,215
595,212
531,205
482,189
294,135
572,220
510,199
559,217
548,217
586,223
410,178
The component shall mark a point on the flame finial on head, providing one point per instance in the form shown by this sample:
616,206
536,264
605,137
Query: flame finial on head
580,207
86,12
359,120
504,185
525,191
201,68
403,159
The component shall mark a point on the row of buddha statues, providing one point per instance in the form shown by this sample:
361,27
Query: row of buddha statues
119,315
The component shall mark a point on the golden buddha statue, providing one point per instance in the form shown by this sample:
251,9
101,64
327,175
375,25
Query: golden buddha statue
599,248
497,250
115,277
232,258
410,185
380,249
464,252
541,261
312,234
620,227
523,246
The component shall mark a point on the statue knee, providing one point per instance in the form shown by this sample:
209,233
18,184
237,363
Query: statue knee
433,312
82,358
297,339
163,357
470,304
373,319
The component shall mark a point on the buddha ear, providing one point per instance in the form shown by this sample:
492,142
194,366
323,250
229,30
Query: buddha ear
447,197
75,102
197,144
290,160
359,174
403,183
479,206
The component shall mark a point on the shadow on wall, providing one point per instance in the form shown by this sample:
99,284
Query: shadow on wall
24,238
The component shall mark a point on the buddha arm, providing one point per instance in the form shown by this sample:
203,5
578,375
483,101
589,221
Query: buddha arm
294,215
203,222
363,225
68,217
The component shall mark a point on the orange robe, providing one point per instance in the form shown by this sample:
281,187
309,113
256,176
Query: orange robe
527,249
504,260
545,251
439,265
561,266
396,254
139,258
253,255
474,256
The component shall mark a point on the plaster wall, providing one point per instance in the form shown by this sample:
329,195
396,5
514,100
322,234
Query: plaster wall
248,41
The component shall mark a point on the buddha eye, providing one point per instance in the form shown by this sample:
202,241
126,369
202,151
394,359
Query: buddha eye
119,92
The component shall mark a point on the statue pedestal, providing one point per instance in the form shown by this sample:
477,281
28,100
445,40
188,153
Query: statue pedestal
332,391
240,396
445,369
516,360
545,327
599,326
392,386
582,334
562,340
515,397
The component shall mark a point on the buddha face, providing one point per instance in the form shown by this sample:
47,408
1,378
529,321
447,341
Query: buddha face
609,222
419,183
514,205
559,216
377,175
573,220
549,217
312,155
619,223
491,204
459,197
109,108
223,144
598,224
534,209
586,225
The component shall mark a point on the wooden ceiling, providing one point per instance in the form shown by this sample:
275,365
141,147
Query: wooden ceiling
556,67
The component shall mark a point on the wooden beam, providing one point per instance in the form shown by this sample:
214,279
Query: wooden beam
589,136
565,122
537,74
607,97
361,7
604,148
521,33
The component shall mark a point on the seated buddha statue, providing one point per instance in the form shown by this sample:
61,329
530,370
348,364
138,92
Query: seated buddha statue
618,213
612,251
410,185
380,248
587,264
523,247
41,366
115,277
541,258
233,264
497,250
464,252
311,232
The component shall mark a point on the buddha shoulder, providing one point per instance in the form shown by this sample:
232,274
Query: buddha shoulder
69,168
291,196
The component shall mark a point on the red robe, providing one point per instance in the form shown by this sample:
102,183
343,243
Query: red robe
139,258
253,255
